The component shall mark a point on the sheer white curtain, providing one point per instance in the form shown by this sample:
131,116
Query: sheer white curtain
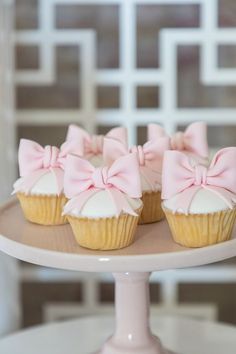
9,289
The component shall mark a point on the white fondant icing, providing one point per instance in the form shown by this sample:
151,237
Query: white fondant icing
195,159
101,205
96,160
146,186
47,184
204,201
17,183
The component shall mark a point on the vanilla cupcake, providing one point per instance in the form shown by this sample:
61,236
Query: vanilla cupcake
104,203
150,157
91,146
193,141
199,202
40,186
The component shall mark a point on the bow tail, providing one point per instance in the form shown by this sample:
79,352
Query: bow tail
25,184
228,197
59,176
79,201
184,199
121,202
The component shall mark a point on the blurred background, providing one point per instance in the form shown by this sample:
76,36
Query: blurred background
99,64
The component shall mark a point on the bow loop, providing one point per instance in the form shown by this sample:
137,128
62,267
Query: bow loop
192,140
180,177
149,157
93,144
154,153
155,131
35,161
121,177
30,157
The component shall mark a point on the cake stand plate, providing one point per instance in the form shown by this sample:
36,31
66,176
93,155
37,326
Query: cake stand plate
152,250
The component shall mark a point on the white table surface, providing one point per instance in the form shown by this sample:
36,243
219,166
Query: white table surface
85,336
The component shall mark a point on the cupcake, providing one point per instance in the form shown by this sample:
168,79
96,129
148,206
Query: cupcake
199,202
104,203
40,186
91,146
150,157
192,142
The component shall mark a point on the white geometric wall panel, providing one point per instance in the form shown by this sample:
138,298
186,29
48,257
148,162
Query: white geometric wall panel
9,282
208,36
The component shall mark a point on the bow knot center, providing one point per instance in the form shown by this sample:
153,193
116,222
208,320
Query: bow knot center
200,175
177,141
140,154
96,144
51,155
100,177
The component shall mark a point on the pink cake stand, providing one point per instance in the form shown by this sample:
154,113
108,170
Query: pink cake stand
153,250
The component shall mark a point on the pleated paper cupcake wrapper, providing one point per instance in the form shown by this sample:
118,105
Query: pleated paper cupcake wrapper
199,230
43,209
152,210
104,233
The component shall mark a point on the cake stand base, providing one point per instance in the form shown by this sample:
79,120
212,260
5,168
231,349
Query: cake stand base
114,348
132,334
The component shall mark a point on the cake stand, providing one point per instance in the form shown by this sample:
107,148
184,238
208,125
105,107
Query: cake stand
153,250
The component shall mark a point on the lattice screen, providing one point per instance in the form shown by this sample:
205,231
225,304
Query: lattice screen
178,54
108,62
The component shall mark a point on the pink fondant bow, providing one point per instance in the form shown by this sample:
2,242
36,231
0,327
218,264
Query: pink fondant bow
93,144
35,161
150,157
181,178
193,140
82,180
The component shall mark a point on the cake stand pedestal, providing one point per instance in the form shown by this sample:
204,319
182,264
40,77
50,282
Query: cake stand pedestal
133,334
153,250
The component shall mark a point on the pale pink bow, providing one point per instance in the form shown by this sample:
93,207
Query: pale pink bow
150,157
93,144
82,180
181,179
35,161
193,140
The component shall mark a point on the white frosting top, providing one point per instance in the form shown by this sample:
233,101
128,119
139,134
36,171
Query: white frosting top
101,205
47,184
204,202
96,160
195,159
146,186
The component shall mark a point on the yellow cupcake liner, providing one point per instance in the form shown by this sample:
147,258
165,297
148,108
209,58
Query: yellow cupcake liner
43,209
152,210
199,230
104,233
